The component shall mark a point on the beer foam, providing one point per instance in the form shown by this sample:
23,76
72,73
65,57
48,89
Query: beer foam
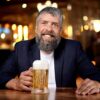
40,64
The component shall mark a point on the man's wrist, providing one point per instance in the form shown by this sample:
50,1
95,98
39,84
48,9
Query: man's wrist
13,84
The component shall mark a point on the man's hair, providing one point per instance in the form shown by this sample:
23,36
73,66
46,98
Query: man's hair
53,11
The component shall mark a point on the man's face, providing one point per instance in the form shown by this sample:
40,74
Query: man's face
48,32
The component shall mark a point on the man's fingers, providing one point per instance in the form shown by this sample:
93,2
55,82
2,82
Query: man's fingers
25,80
86,81
84,85
25,88
27,73
27,83
85,91
95,90
88,87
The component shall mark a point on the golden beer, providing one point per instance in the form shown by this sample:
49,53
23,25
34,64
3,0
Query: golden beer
40,77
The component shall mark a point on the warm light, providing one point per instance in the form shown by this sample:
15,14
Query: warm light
20,34
82,28
15,35
14,44
70,31
3,36
40,6
85,18
48,3
69,7
96,25
25,32
24,5
94,62
6,25
86,27
14,27
55,5
8,0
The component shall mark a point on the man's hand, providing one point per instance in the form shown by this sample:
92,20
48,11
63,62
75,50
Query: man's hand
25,80
23,83
88,87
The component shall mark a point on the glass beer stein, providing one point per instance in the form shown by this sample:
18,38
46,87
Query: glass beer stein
40,77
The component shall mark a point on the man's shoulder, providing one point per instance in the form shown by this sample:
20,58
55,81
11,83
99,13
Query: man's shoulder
70,42
26,42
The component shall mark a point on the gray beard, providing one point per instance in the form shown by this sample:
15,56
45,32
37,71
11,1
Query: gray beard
47,46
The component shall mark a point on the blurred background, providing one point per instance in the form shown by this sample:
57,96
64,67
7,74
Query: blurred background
81,23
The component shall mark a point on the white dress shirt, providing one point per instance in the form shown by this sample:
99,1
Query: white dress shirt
51,76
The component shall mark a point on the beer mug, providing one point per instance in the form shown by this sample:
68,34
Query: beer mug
40,77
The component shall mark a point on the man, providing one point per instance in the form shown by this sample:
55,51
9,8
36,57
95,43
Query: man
66,58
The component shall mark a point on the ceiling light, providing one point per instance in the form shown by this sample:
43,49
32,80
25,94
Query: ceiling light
48,3
8,0
24,5
69,7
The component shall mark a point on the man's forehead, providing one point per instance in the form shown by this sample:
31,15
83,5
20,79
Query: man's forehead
44,13
46,16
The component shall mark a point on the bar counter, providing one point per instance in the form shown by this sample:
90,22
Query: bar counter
58,94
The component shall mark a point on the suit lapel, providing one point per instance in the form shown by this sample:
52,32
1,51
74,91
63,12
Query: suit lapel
58,57
58,72
34,53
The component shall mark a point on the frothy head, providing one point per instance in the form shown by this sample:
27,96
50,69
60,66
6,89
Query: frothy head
40,64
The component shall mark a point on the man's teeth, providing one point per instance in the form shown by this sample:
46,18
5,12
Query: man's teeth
47,35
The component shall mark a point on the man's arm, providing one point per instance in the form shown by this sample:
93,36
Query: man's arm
85,68
8,70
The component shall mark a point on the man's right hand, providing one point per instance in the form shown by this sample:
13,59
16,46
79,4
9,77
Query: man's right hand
22,83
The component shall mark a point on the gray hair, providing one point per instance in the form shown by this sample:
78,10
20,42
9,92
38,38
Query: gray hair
53,11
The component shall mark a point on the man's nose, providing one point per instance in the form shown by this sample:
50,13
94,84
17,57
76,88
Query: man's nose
49,27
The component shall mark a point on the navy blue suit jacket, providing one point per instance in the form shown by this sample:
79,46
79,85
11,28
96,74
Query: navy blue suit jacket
69,60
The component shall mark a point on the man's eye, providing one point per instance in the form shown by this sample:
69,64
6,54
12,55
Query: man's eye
55,25
44,23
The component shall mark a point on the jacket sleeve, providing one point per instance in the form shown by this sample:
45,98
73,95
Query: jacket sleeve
9,70
85,68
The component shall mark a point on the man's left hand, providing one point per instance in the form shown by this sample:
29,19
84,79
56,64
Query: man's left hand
88,86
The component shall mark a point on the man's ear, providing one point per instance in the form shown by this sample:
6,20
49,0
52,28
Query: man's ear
61,31
35,29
